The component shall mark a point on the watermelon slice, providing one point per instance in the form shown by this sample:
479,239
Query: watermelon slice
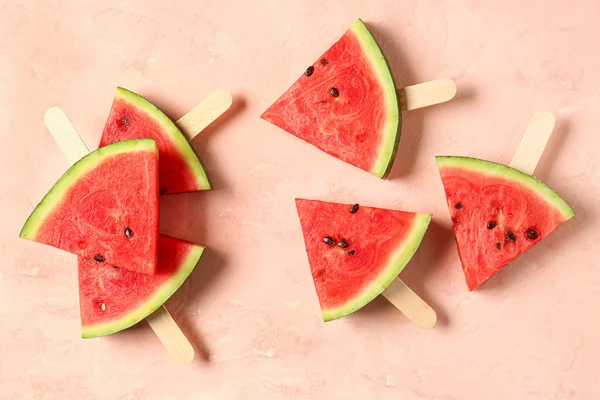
134,117
355,252
345,104
497,213
112,298
105,207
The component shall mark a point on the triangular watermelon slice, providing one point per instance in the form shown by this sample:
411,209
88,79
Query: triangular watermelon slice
355,252
134,117
497,213
112,298
345,104
105,207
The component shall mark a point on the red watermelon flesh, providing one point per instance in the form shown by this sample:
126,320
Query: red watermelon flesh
497,213
345,104
104,208
134,117
355,252
113,298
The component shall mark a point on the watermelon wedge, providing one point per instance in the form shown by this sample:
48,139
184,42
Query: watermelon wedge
345,104
105,207
355,252
497,213
112,298
134,117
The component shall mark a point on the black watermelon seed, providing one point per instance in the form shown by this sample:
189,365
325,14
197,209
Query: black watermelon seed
309,71
98,258
458,206
128,232
492,224
532,234
510,236
498,245
324,61
354,208
343,244
352,252
329,240
334,92
115,267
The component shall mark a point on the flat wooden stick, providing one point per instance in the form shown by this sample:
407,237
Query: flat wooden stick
204,113
534,142
171,336
426,94
411,305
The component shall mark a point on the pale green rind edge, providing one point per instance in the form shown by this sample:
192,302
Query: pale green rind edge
501,170
397,261
70,178
180,141
391,137
160,296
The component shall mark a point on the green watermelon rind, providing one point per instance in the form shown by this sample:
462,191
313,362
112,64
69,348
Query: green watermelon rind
71,177
391,136
153,303
511,174
396,263
177,137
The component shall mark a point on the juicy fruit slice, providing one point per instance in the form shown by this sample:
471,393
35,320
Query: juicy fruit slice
105,207
112,298
497,213
355,252
345,104
134,117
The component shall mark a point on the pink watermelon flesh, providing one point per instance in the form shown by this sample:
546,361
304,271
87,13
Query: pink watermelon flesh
368,249
497,213
104,208
113,298
134,117
360,122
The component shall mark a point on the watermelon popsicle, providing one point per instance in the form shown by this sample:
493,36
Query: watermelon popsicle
197,119
499,212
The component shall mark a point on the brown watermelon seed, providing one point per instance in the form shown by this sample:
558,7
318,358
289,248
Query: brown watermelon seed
309,71
128,232
354,208
343,244
510,236
458,206
498,245
329,240
98,258
532,234
334,92
115,267
324,61
492,224
352,252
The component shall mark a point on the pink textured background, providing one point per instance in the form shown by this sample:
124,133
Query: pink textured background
531,333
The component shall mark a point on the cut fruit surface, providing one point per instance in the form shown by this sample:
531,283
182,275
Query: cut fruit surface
345,104
112,298
105,207
134,117
497,213
355,252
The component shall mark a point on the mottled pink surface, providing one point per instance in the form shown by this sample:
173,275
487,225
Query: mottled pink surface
250,308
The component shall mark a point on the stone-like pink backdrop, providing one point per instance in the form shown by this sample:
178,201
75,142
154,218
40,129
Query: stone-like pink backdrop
250,307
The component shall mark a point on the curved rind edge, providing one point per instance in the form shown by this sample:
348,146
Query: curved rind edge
501,170
179,139
397,261
158,298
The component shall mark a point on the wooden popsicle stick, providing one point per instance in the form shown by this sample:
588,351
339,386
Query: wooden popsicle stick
204,113
411,305
534,142
426,94
160,321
